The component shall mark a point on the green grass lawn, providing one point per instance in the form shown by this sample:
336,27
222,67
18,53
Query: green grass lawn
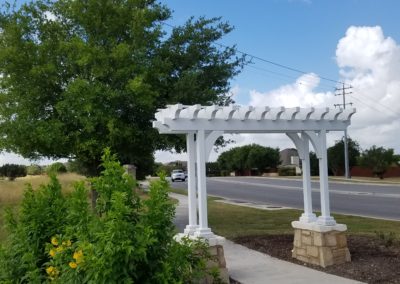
233,221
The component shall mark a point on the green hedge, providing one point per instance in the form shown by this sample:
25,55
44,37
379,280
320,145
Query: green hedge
34,170
57,168
12,171
286,171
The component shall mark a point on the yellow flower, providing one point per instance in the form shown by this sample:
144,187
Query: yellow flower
67,243
50,270
60,249
52,252
78,255
73,265
54,241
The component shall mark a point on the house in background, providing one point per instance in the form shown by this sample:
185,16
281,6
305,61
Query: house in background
290,161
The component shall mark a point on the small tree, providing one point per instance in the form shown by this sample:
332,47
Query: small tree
378,159
249,157
314,164
212,169
34,170
12,171
56,168
336,161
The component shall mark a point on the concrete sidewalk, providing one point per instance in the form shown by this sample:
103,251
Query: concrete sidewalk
251,267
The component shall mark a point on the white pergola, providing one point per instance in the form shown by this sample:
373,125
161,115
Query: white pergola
204,124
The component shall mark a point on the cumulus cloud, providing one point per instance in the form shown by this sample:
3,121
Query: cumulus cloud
370,62
299,93
367,60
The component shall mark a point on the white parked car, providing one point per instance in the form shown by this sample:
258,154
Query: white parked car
178,175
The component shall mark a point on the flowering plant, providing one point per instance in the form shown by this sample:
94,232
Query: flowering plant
59,239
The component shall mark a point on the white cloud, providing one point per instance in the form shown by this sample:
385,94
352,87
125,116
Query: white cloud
234,91
370,63
11,158
167,156
300,93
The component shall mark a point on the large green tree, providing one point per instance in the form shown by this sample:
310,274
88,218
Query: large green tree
249,157
80,75
336,155
378,159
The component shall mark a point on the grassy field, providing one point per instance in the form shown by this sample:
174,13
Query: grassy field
11,192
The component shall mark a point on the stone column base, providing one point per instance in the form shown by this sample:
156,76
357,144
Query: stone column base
217,260
320,245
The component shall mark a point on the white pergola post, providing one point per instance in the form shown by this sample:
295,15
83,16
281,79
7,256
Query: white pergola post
192,199
308,216
203,230
325,218
210,141
302,146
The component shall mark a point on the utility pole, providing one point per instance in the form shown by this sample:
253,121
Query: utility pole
344,92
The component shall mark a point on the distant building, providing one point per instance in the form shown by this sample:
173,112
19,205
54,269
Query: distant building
290,158
178,164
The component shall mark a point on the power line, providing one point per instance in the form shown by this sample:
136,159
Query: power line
370,106
345,91
280,65
288,76
271,62
382,105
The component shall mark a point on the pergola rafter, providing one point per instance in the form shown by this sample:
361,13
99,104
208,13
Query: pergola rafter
204,124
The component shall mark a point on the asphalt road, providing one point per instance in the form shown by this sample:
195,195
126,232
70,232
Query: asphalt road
371,200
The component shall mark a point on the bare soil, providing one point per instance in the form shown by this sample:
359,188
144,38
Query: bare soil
372,259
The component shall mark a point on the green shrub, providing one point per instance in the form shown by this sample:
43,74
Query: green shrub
40,217
127,240
57,168
286,171
34,170
75,166
12,171
225,173
388,239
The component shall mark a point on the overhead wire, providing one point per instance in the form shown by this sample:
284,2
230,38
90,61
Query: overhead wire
371,106
283,66
291,77
382,105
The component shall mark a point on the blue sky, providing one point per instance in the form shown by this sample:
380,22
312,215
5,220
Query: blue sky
352,40
299,33
357,41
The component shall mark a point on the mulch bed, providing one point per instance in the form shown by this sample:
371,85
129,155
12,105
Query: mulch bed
371,260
